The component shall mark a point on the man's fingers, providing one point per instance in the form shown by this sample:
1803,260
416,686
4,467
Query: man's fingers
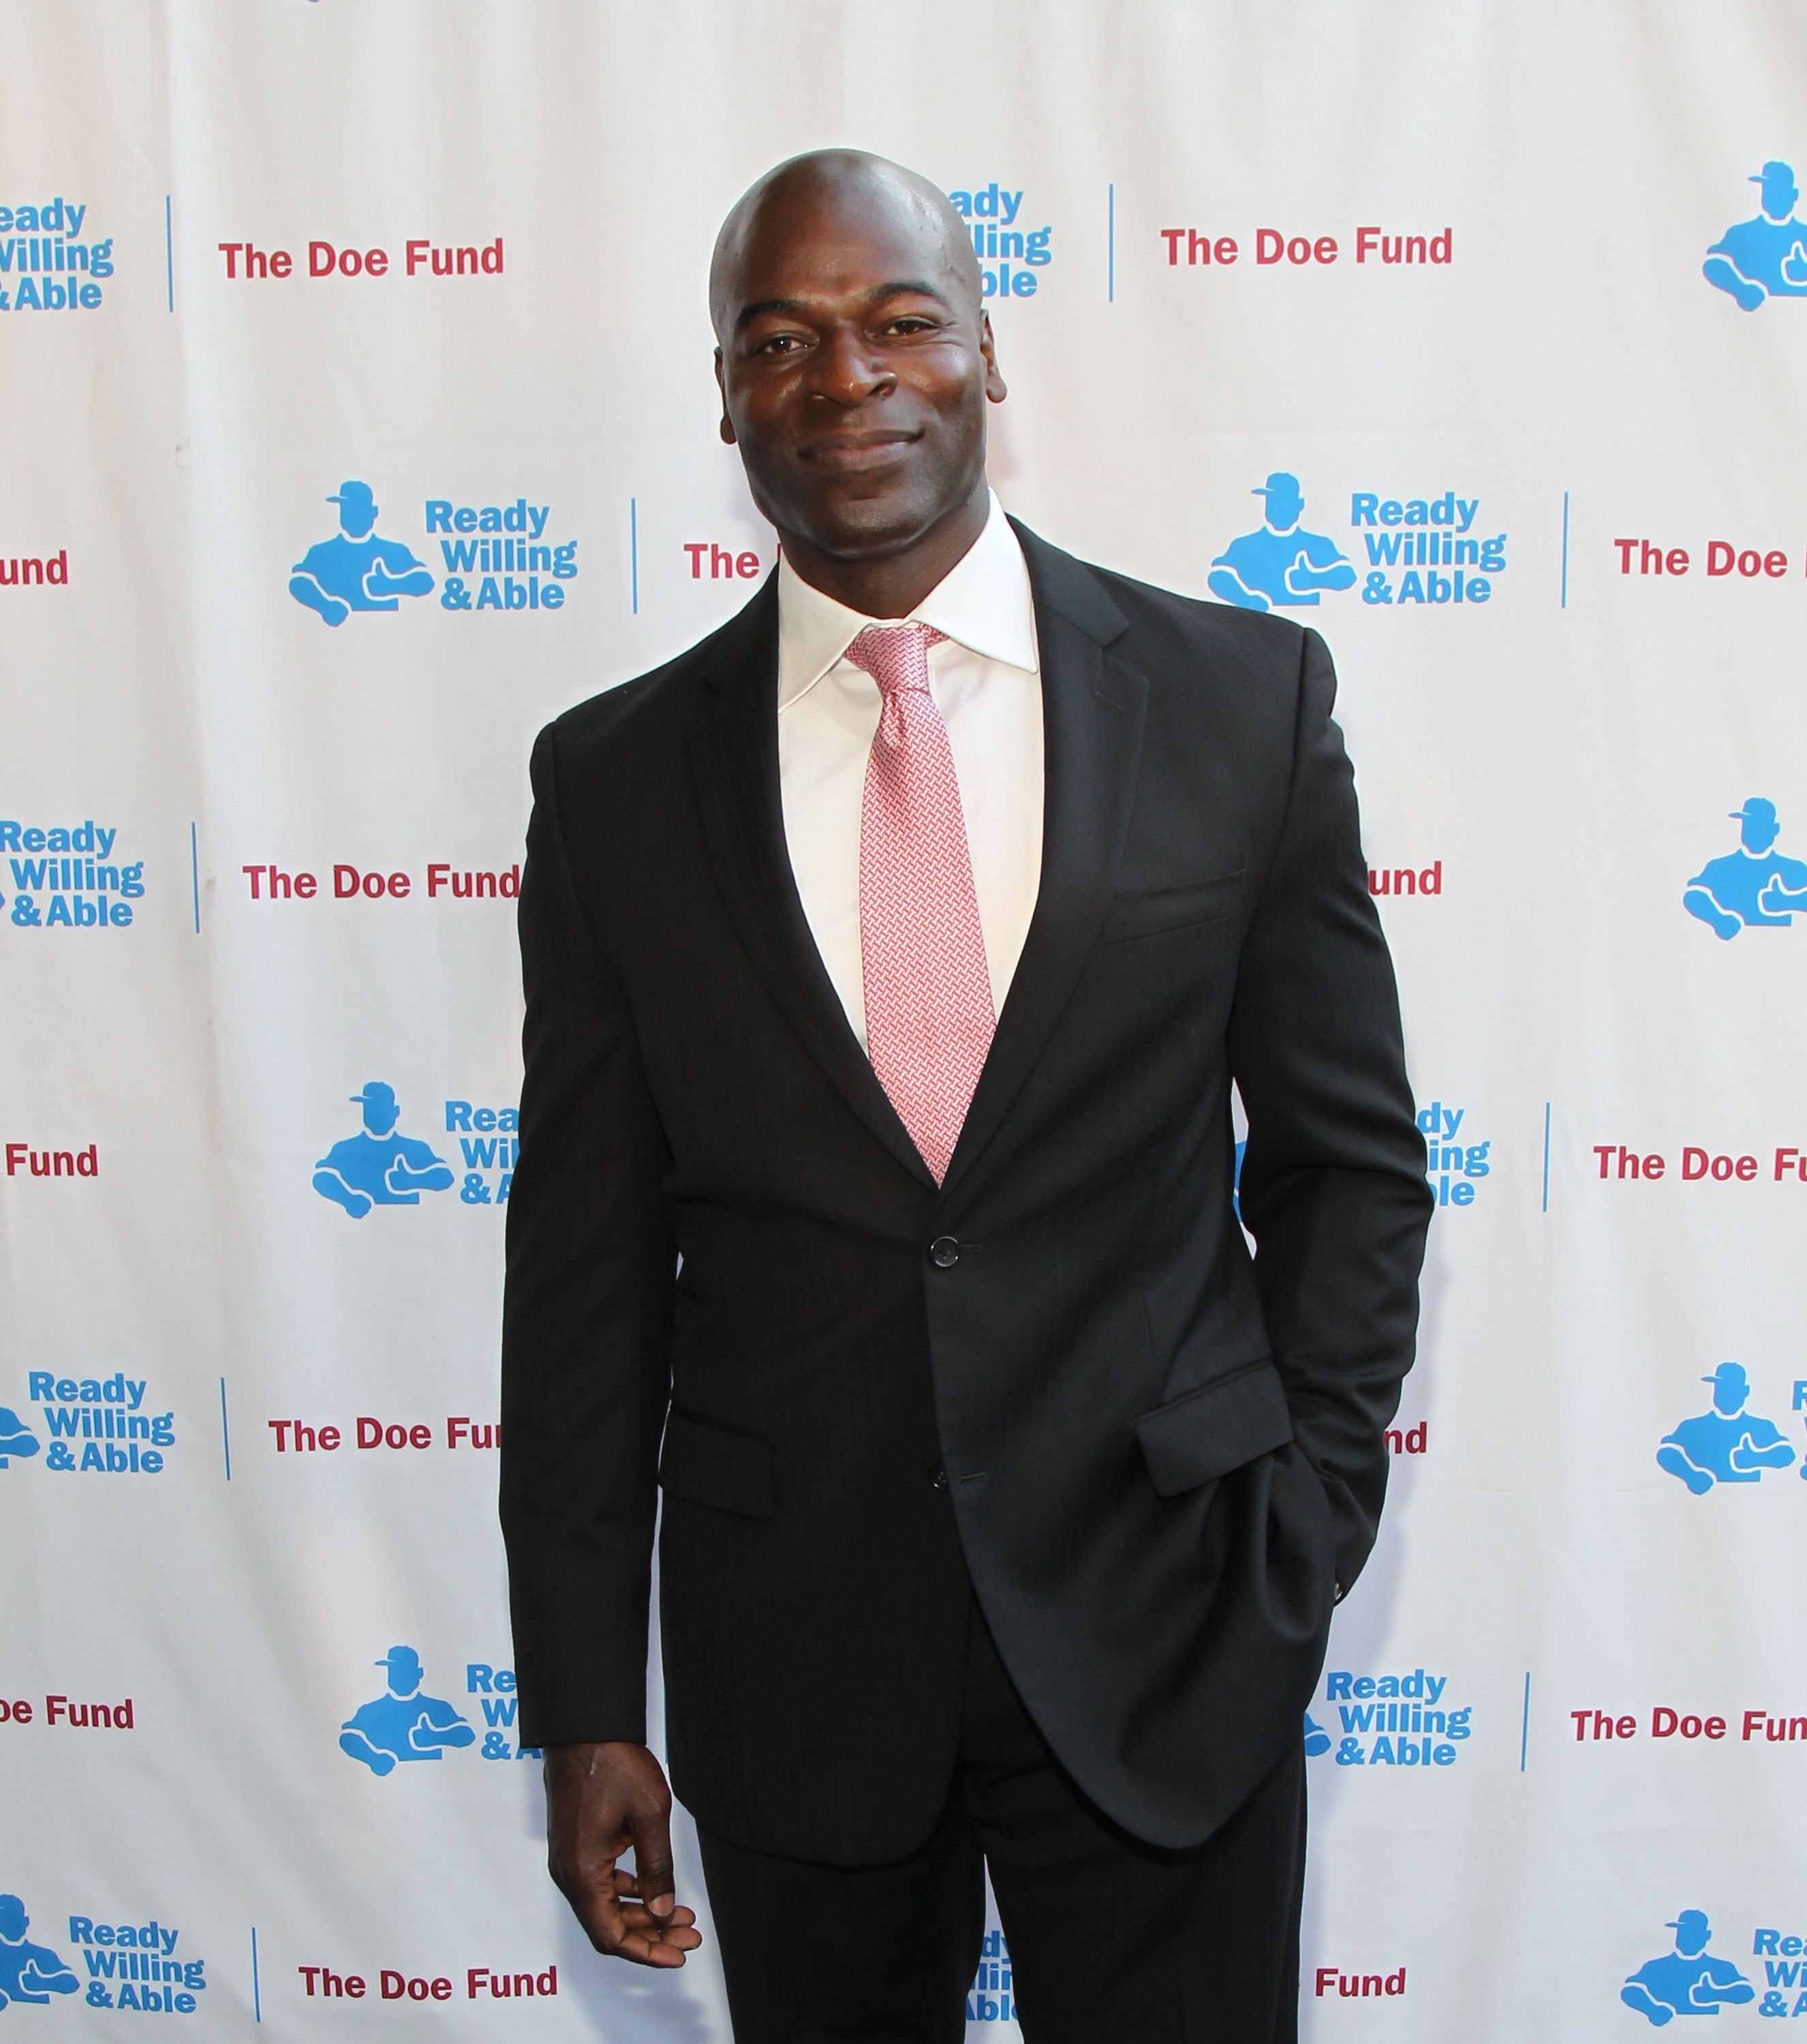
627,1884
654,1880
636,1933
596,1904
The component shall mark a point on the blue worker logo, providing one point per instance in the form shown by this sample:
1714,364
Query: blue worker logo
1766,257
1317,1738
1279,565
355,569
376,1167
1687,1981
16,1438
28,1972
1753,888
1726,1444
403,1724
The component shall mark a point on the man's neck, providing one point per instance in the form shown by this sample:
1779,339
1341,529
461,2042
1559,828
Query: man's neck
893,587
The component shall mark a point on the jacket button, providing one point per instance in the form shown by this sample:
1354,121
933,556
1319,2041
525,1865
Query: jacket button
944,1252
940,1479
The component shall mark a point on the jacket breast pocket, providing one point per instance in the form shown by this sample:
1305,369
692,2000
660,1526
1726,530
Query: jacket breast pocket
711,1465
1155,912
1208,1432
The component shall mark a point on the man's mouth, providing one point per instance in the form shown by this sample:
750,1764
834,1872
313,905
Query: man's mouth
850,453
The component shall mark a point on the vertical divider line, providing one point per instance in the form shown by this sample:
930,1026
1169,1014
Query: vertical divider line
1565,604
256,1988
1524,1727
225,1430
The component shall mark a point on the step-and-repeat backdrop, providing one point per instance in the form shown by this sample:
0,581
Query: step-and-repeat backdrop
357,415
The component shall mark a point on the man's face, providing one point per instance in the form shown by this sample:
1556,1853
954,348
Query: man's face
1728,1394
381,1113
404,1677
1759,831
356,516
1283,509
854,368
1779,195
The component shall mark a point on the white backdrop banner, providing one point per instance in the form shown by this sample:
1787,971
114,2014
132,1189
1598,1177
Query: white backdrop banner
355,396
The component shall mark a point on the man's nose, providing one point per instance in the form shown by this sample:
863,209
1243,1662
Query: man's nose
846,370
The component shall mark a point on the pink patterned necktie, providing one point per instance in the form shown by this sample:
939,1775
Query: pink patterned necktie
928,1014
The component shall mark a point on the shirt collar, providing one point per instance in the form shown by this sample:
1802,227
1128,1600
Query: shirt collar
983,603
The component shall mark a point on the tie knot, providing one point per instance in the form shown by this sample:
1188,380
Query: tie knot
895,655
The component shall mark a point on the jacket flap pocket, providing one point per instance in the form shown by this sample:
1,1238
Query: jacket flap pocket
710,1465
1209,1432
1161,908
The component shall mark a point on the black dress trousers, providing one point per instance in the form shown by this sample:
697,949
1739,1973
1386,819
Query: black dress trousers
1109,1940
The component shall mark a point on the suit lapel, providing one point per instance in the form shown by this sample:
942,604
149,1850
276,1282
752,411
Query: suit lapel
734,756
1093,708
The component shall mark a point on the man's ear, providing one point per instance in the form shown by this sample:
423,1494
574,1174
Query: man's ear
726,428
994,385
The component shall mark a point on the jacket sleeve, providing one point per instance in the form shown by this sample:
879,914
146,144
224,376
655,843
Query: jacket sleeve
1333,1185
586,1318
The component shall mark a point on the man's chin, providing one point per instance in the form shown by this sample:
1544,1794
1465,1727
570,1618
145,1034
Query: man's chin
873,528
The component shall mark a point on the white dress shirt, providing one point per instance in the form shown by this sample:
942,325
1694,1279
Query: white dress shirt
986,679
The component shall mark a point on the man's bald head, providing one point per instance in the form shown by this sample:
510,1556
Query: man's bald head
825,181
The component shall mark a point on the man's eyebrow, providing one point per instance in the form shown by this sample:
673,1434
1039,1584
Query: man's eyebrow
761,306
795,308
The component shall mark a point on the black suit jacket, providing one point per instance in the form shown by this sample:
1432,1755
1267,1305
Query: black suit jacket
1153,1456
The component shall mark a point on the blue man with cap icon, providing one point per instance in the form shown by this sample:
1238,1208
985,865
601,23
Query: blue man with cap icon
1725,1444
1687,1981
1766,257
403,1724
1279,565
16,1438
1754,887
355,569
28,1972
376,1167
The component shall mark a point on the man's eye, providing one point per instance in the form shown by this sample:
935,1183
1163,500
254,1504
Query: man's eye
779,343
